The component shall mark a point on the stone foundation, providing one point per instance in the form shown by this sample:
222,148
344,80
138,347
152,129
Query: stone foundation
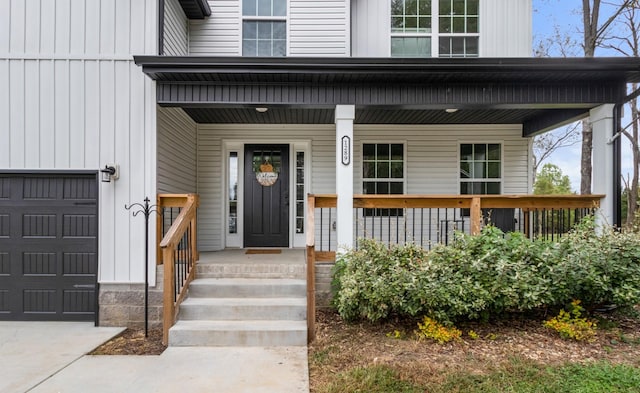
123,304
323,284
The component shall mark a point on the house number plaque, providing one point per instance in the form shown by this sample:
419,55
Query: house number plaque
346,150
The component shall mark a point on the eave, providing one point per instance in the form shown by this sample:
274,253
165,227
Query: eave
540,93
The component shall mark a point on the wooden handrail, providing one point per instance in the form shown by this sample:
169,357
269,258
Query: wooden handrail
186,220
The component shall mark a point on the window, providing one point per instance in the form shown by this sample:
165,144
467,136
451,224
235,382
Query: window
458,21
411,28
449,25
264,28
480,168
383,172
233,192
299,192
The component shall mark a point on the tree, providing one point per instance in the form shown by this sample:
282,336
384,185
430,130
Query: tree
551,181
628,44
594,35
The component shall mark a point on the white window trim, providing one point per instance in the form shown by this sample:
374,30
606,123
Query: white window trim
486,142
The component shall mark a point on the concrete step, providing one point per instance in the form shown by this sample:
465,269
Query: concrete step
237,309
251,270
247,288
238,333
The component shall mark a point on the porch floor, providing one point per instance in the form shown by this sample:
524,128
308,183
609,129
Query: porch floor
293,256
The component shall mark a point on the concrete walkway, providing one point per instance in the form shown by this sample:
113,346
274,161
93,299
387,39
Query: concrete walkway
49,357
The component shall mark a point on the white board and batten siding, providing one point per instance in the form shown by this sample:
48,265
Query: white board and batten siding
508,32
431,160
505,28
176,30
71,97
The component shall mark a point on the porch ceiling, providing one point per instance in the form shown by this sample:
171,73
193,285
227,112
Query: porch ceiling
539,93
279,115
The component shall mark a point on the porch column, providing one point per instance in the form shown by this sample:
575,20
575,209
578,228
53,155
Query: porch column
344,176
603,182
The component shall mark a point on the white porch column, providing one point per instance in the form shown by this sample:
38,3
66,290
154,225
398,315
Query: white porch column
344,175
602,122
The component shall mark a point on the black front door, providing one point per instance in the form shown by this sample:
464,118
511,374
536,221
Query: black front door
266,196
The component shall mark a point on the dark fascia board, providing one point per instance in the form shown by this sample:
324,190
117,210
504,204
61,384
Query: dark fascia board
195,9
625,69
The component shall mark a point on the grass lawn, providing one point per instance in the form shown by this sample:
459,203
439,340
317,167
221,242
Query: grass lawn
518,355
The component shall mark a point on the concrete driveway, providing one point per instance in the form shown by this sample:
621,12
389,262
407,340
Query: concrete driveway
31,352
48,358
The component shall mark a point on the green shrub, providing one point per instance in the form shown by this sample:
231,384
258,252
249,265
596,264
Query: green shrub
488,274
375,281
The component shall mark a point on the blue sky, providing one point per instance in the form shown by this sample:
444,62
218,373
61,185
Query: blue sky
567,16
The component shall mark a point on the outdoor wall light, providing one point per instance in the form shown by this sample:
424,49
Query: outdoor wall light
451,110
261,109
109,172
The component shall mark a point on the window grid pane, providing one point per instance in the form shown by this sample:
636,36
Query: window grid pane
383,173
300,192
478,163
458,21
264,38
411,28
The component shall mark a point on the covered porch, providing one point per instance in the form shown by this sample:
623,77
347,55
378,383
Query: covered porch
328,114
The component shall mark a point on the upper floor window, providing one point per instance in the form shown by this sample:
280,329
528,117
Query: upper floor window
458,27
426,28
411,28
264,28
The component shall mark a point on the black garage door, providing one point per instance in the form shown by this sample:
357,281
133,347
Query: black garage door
48,246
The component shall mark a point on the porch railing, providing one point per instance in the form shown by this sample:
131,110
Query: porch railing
179,254
432,219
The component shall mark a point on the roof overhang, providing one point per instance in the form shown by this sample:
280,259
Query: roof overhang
195,9
539,93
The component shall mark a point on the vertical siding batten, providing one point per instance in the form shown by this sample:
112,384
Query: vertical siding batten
74,99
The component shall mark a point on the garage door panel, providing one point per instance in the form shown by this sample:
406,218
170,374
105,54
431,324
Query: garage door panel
5,225
80,264
79,225
41,188
79,189
48,246
79,301
39,225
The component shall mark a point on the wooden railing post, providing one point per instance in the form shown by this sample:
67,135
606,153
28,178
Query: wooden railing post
476,215
311,269
159,234
168,309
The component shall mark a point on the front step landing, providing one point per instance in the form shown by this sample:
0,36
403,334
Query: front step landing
238,333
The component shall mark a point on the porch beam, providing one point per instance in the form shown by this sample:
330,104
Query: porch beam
345,114
398,95
551,119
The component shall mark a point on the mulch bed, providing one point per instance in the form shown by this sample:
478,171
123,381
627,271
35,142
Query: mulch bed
133,342
340,346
